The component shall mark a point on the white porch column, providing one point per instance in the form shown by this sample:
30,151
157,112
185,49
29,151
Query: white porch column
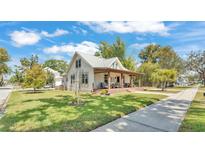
131,80
108,80
121,81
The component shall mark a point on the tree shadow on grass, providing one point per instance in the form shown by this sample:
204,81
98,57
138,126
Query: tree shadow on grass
32,92
96,112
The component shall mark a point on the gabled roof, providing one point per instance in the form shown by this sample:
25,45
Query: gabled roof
95,61
100,63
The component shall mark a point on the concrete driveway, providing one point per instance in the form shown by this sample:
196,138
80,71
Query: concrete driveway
165,116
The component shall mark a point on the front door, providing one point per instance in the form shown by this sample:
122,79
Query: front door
118,79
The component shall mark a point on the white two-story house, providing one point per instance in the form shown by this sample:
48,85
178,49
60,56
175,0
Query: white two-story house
88,73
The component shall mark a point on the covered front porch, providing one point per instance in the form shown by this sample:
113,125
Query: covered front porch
108,78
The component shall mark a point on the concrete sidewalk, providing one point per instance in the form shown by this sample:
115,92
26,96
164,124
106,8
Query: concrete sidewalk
4,93
165,116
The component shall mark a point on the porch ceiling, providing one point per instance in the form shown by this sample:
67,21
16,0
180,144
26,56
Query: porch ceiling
106,70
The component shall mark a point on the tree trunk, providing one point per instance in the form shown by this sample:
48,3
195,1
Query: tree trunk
34,90
163,86
166,84
1,80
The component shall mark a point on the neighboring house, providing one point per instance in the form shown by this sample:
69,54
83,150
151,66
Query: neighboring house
88,73
188,78
58,79
182,80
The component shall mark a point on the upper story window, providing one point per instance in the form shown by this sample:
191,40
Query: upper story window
78,63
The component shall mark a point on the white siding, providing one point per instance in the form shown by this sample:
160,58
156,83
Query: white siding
99,78
86,68
127,78
117,65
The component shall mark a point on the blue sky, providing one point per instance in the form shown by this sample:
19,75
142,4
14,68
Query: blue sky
61,39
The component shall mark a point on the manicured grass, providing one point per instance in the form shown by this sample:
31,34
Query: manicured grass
49,110
195,118
167,90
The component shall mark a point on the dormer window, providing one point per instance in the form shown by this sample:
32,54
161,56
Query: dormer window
115,65
78,63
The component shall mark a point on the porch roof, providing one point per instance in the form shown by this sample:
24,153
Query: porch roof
107,69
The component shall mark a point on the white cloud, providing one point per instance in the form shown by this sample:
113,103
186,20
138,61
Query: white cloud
83,31
31,37
196,34
129,27
58,32
139,46
85,47
22,38
79,30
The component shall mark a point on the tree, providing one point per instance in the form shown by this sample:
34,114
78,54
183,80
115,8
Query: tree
163,56
97,54
20,71
148,54
196,62
35,77
4,57
164,76
167,58
148,68
50,79
17,78
58,65
129,63
117,49
105,50
28,63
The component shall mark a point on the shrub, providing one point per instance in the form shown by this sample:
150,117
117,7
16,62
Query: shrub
104,92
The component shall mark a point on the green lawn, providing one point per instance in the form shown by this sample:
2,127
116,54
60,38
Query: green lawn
49,110
195,118
167,90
